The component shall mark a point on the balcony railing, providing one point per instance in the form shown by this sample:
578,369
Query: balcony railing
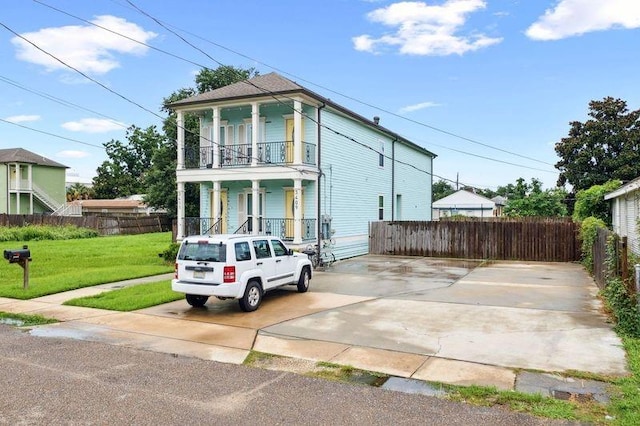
279,152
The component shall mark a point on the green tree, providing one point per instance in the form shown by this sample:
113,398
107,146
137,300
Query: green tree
125,171
591,202
208,79
78,191
161,182
441,189
525,199
603,148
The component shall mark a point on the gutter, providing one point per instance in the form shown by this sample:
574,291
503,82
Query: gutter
318,182
393,178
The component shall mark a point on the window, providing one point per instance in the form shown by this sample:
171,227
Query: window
278,248
262,249
242,251
203,251
380,207
381,155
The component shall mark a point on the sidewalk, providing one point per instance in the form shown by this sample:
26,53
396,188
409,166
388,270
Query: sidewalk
418,319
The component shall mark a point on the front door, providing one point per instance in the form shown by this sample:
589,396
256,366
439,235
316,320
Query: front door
223,212
288,144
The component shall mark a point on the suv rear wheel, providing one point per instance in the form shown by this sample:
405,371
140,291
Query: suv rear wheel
196,300
252,297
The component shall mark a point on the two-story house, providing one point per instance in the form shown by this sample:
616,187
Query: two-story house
276,158
30,183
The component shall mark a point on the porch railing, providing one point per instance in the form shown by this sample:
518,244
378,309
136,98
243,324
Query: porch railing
241,155
279,227
201,225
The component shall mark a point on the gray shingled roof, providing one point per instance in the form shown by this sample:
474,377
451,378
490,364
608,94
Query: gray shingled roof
268,83
19,155
274,84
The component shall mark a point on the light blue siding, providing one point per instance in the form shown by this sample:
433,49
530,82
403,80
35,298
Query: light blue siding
351,177
352,182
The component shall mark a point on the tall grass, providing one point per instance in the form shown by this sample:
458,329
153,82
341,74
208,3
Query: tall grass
45,232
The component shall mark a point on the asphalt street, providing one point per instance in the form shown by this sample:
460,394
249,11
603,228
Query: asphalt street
65,381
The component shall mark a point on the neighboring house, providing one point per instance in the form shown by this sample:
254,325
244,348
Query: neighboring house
131,206
463,203
277,158
30,183
500,202
625,210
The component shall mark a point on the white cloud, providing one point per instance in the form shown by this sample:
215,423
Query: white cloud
73,154
575,17
22,118
417,107
87,48
93,125
420,29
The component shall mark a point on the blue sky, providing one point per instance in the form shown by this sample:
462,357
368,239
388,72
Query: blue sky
489,86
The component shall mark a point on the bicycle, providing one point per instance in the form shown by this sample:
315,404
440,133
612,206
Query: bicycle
320,258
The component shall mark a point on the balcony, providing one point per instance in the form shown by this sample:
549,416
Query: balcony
241,155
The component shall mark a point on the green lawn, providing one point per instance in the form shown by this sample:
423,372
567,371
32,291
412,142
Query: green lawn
130,298
63,265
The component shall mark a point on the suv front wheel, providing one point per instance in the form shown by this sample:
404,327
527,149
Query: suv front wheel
252,297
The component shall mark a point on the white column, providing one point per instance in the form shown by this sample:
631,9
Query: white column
297,211
255,125
30,186
216,214
181,228
216,137
18,187
255,207
180,141
297,132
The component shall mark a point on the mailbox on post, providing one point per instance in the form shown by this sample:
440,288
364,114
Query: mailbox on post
15,256
22,257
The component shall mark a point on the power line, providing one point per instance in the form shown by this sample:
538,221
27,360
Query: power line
58,100
165,26
434,128
241,155
51,134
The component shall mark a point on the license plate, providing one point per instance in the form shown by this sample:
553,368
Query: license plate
198,274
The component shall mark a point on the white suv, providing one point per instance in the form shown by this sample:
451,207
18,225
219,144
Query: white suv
237,267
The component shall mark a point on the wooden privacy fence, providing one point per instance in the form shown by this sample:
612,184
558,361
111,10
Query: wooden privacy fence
618,267
105,225
552,241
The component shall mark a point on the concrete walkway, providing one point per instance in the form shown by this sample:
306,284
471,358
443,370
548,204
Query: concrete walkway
448,321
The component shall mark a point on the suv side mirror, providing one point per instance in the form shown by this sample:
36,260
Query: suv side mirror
289,252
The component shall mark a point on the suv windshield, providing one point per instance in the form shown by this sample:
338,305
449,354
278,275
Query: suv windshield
204,251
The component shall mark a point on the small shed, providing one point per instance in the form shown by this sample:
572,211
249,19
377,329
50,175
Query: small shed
463,203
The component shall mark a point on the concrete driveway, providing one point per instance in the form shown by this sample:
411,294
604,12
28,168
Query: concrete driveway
451,321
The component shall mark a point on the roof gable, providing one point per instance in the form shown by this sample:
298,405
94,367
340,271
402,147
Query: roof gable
19,155
267,84
464,198
273,84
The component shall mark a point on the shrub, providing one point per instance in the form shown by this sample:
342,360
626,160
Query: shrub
623,307
588,234
170,254
45,232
